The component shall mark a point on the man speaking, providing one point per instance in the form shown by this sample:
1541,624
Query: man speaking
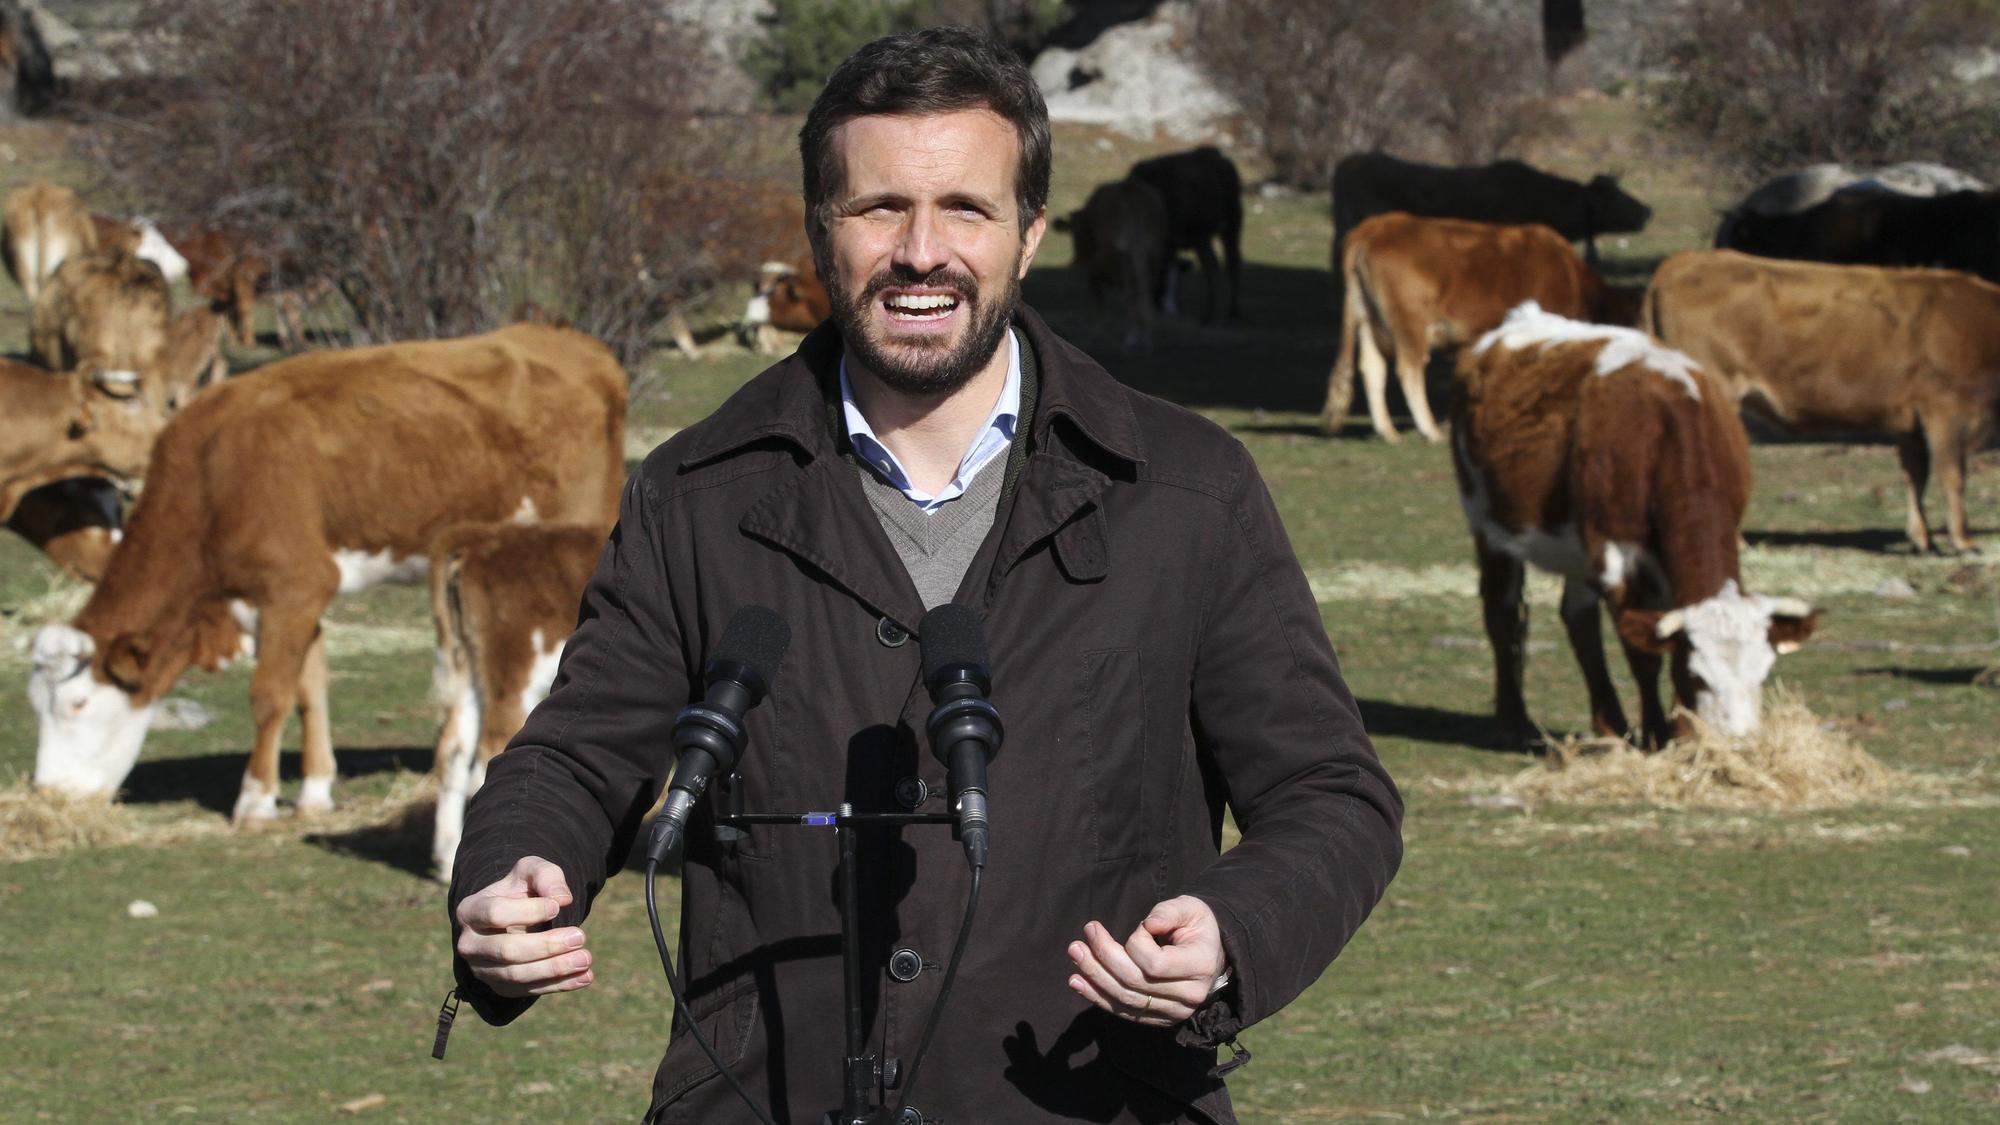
1154,649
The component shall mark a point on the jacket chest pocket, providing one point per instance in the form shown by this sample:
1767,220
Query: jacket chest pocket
1114,751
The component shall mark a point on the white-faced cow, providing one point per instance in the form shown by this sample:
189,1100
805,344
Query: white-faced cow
1816,348
141,239
1412,286
44,224
1204,198
789,297
1596,454
1124,249
505,599
310,477
1506,191
1814,184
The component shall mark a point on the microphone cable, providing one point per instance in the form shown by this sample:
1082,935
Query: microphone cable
680,1002
909,1082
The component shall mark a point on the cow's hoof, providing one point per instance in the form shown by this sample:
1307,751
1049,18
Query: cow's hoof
255,806
316,796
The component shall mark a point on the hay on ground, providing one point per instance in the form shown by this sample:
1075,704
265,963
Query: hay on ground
1791,761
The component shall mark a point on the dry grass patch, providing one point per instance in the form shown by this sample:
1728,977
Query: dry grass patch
1792,761
35,824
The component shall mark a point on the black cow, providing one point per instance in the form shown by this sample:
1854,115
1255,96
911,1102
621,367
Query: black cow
1204,198
1124,249
1506,191
1959,230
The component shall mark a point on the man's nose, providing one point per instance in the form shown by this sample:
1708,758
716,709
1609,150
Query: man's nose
922,248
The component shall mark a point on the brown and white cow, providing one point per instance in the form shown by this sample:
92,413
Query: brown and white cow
44,224
1412,286
1594,453
505,599
104,314
53,427
1124,248
317,475
790,297
1811,347
141,239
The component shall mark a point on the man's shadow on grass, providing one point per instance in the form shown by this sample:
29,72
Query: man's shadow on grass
1385,719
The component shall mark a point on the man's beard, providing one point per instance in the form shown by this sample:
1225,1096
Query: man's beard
924,366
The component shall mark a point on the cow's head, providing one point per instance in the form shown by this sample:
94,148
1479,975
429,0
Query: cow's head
91,727
1611,209
1723,650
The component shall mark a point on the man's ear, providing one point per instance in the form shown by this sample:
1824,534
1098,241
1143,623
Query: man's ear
1649,630
1031,240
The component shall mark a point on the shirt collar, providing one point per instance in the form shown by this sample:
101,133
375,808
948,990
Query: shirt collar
992,439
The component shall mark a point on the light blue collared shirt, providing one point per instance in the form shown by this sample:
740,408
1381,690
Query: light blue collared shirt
994,437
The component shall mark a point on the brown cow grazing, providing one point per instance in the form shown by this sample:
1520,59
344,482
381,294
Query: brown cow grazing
55,427
1914,352
1595,453
313,476
1506,191
230,274
1204,197
104,314
1412,286
505,599
45,223
789,296
1124,248
76,523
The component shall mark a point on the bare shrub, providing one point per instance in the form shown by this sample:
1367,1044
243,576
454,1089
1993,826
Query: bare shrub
1773,84
435,161
1322,78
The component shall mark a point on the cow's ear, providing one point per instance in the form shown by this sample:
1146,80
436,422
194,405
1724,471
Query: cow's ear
1649,630
1061,223
1790,631
125,662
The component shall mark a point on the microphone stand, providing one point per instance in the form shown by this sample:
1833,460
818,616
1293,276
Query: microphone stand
861,1071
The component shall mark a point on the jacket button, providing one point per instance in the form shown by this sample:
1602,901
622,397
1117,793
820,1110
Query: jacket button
891,634
910,1116
905,964
912,792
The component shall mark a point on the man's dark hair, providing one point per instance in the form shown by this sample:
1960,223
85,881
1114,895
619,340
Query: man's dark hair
936,70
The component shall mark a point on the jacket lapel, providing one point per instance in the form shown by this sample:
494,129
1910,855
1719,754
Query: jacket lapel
821,518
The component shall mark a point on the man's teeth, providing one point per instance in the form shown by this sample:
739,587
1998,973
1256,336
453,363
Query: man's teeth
936,304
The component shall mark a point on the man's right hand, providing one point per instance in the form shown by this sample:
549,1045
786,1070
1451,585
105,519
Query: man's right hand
495,939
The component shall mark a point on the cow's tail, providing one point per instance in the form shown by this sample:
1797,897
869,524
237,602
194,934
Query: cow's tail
1649,311
1356,333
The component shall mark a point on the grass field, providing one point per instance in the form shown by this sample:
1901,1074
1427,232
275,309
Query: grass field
1544,964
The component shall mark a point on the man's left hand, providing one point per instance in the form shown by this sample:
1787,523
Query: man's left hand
1162,973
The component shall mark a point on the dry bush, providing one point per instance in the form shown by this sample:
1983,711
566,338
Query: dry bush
436,161
1318,79
1770,85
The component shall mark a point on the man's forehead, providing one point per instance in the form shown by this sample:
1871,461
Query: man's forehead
971,143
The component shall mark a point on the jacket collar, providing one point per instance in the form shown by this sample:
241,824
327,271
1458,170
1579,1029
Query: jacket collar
789,401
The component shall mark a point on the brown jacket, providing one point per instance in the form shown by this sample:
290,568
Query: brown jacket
1156,656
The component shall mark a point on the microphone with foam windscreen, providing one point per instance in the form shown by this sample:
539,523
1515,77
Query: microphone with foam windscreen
709,735
964,727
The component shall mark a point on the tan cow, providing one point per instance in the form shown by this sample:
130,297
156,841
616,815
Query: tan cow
44,224
1914,352
104,314
1594,453
55,427
505,598
789,297
314,476
1412,286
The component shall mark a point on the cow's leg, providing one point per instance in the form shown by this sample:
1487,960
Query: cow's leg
1586,639
1211,273
1913,449
1374,378
243,304
1654,730
1410,364
1948,446
1232,259
1501,580
286,632
462,735
291,317
316,743
682,335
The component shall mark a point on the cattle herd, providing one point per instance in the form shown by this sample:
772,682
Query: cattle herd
1594,429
